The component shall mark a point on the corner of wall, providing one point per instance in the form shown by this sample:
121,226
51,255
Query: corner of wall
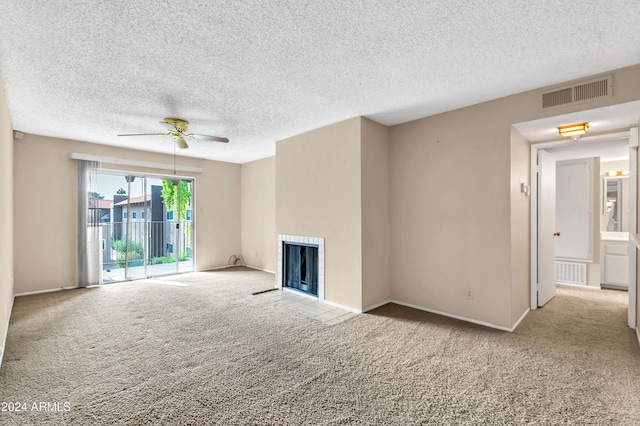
5,333
6,219
375,211
520,227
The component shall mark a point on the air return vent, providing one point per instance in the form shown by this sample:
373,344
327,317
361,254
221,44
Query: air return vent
580,92
557,97
571,273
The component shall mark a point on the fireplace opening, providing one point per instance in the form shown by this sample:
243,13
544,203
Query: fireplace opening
301,267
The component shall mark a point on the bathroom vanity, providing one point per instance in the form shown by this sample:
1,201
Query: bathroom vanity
614,255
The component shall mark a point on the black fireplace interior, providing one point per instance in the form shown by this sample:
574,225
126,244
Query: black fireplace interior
301,267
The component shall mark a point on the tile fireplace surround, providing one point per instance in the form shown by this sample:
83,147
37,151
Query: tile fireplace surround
293,239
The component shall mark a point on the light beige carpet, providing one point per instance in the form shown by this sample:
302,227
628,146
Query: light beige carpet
209,352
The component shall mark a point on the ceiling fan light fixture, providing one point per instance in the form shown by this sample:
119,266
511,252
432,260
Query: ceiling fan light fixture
573,129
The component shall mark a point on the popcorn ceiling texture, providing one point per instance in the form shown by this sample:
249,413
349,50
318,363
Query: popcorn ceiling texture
260,71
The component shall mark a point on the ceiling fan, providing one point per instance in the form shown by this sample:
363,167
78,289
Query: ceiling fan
176,129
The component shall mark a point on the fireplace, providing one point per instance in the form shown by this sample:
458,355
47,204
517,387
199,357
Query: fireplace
301,264
301,267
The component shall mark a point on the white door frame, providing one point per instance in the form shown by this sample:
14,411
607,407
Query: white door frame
533,302
633,222
633,166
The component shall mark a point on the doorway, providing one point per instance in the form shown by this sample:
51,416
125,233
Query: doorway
544,256
146,225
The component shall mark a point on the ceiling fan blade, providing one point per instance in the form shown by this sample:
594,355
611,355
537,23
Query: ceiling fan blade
208,138
145,134
170,127
182,144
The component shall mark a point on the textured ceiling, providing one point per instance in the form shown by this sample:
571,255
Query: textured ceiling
259,71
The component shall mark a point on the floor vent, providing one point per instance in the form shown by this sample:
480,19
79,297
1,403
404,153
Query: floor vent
581,92
571,273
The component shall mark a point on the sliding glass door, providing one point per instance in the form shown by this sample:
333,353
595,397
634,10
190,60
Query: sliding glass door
170,228
146,225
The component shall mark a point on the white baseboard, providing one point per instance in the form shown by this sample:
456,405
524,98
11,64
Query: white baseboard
49,290
371,308
346,308
259,269
458,317
6,333
520,320
586,287
217,268
638,335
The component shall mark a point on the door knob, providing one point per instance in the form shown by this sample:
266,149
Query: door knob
556,234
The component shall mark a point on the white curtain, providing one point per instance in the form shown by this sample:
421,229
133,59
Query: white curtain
88,227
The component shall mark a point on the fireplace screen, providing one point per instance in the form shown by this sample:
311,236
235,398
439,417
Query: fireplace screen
301,267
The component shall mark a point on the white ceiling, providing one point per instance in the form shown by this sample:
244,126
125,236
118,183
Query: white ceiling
607,149
263,70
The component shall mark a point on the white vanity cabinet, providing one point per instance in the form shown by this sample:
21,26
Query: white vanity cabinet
614,256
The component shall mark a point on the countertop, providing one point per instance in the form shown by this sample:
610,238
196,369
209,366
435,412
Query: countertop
614,236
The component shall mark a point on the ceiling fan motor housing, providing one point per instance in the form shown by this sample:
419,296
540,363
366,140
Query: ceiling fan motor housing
180,125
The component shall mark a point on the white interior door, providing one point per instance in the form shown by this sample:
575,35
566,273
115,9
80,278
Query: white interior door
546,227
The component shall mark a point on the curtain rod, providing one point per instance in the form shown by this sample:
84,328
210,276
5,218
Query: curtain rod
126,162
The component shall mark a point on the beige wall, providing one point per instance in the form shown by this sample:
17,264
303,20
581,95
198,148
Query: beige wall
258,204
520,226
6,218
318,194
45,209
375,214
452,215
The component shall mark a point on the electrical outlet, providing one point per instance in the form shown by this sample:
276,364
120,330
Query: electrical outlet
470,293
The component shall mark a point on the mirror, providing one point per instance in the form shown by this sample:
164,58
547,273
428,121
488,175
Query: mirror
612,204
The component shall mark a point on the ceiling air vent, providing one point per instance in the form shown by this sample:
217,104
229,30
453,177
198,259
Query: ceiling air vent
591,90
577,93
557,97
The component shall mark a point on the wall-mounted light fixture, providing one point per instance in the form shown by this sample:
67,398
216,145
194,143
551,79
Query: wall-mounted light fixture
614,173
573,129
